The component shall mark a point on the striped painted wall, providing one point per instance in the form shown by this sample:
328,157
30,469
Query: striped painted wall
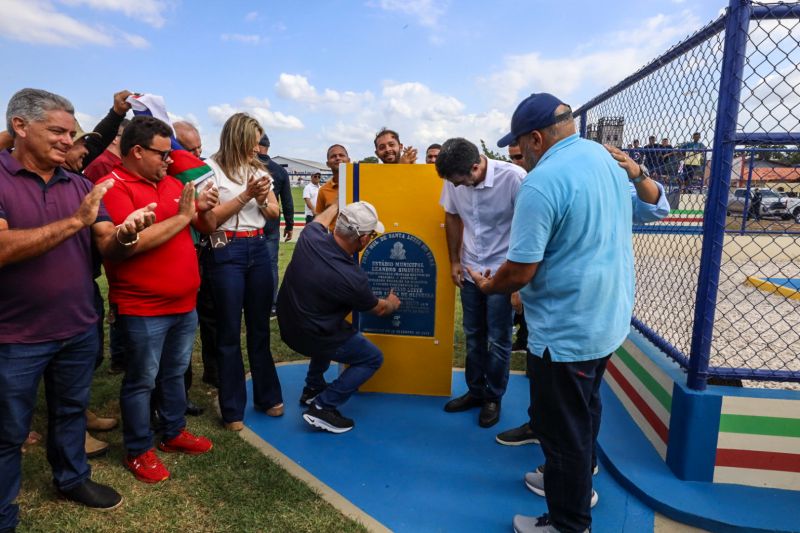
759,443
645,390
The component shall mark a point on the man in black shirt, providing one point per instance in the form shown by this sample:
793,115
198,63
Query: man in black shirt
283,191
321,286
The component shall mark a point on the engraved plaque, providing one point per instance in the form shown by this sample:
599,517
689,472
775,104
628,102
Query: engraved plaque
402,262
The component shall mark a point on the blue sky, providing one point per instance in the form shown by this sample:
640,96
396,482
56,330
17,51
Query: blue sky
321,72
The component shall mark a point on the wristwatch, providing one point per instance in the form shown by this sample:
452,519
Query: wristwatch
643,175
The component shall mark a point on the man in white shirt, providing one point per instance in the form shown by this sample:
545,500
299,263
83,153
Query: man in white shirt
478,198
310,193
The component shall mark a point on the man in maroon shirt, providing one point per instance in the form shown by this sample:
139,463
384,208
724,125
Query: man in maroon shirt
107,160
155,293
48,220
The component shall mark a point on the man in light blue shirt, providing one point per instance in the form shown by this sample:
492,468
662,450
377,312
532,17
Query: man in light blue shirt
571,255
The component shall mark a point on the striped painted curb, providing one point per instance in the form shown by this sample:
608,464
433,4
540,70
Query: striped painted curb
759,443
644,390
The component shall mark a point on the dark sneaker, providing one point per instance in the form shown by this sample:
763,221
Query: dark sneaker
192,409
490,414
327,419
534,524
517,436
463,403
535,483
308,395
93,495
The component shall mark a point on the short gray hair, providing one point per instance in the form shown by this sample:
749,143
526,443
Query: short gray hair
31,105
345,231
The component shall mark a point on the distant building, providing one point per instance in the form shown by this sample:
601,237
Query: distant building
300,170
771,174
607,130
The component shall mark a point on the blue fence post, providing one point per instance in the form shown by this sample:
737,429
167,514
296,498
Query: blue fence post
730,87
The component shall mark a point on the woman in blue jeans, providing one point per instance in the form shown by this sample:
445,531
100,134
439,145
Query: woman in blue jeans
239,271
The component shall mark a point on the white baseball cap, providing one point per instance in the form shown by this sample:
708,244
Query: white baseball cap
361,217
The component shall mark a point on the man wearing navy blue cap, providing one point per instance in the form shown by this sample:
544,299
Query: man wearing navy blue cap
571,257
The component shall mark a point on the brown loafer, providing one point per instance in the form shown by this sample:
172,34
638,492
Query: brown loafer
275,410
234,426
94,448
97,423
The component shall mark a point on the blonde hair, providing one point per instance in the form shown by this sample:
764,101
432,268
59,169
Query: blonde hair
239,135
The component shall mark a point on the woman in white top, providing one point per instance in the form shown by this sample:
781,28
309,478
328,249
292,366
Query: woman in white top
239,271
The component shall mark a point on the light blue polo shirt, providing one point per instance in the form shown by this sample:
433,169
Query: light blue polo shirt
573,216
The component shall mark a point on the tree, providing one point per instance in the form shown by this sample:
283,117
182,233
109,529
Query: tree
370,159
491,154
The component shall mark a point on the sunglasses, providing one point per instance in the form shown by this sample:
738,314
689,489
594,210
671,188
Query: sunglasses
516,157
164,153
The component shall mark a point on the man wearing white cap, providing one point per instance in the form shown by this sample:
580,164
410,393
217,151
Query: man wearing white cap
321,286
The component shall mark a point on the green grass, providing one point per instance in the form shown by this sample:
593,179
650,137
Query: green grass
234,488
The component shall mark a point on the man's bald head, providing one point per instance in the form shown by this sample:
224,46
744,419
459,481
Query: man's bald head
189,137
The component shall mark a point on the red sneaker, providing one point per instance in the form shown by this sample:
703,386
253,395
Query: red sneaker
147,467
187,443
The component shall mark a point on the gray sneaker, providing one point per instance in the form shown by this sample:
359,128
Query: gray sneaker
535,483
534,524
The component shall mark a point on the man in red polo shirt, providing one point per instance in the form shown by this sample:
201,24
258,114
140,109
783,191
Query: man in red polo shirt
155,291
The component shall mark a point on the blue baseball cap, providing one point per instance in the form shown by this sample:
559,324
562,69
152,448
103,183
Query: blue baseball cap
534,113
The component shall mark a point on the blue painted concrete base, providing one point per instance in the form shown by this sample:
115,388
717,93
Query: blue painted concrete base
415,468
717,507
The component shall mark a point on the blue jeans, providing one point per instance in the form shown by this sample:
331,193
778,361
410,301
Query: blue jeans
159,351
67,367
241,279
273,241
488,327
363,358
566,419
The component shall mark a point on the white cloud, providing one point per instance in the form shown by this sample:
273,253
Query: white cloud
241,38
148,11
136,41
258,108
599,64
419,114
38,22
427,12
250,17
297,88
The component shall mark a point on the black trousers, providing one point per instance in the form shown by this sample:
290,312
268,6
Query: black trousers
566,418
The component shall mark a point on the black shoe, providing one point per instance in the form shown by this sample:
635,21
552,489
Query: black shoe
327,419
309,394
192,409
517,436
490,414
462,403
94,495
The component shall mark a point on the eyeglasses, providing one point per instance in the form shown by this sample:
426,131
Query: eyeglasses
516,157
164,153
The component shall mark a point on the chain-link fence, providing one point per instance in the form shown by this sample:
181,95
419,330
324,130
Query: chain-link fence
715,119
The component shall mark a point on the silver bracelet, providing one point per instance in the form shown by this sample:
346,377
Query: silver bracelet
264,205
126,244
